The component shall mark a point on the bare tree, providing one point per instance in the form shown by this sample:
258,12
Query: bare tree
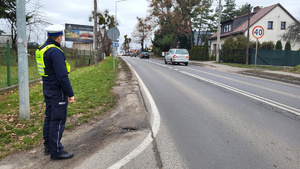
34,17
36,24
126,44
106,22
141,32
293,33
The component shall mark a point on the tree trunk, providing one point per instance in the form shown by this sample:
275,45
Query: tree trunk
192,36
174,43
198,37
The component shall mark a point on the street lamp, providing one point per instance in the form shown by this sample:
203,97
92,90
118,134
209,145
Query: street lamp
115,48
116,8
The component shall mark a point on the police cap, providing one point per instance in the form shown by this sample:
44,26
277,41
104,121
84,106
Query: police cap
55,30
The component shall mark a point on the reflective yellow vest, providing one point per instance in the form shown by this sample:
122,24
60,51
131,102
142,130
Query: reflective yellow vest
39,55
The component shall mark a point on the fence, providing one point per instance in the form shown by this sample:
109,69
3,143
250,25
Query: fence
264,57
9,63
276,57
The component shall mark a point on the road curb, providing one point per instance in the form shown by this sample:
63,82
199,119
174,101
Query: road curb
13,87
271,76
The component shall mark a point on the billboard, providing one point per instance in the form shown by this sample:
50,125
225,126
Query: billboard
79,33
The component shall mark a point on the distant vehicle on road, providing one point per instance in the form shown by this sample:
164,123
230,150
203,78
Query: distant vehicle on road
144,55
177,56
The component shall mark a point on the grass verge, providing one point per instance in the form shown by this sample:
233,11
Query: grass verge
92,87
295,69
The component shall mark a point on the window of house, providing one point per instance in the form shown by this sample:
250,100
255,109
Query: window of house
225,29
283,25
229,28
270,25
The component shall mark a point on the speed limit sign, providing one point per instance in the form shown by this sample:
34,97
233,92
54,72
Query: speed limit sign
258,32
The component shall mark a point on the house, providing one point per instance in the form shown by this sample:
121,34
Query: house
274,19
4,39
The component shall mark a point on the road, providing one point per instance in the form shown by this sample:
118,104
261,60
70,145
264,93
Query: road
213,119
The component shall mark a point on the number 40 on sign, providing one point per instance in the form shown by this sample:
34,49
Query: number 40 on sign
258,32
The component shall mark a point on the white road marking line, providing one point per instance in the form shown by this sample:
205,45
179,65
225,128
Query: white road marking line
253,96
155,127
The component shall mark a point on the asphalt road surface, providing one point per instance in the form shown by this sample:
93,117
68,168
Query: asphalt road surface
212,119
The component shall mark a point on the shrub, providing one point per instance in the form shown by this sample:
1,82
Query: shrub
195,53
205,50
234,50
278,45
157,51
213,57
288,46
226,53
200,52
252,45
267,45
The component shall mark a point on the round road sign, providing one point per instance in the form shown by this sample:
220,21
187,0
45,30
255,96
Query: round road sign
113,33
258,32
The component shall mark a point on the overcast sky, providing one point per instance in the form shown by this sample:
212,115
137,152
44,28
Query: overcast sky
78,11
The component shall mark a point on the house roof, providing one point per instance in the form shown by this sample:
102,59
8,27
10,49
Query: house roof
255,17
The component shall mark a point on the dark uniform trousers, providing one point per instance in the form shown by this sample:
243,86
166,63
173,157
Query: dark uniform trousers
54,125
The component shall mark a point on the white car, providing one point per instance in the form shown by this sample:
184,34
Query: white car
177,56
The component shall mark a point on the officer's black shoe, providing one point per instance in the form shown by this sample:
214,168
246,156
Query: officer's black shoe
47,150
63,155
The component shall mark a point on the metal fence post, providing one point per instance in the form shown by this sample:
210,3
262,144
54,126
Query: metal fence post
3,54
83,57
76,58
8,64
90,58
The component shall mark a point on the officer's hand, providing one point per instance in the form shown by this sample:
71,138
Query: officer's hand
71,99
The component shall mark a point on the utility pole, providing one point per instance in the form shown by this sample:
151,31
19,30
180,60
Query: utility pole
219,32
247,52
24,108
95,34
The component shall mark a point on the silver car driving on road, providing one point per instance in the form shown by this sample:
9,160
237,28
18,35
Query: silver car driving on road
177,56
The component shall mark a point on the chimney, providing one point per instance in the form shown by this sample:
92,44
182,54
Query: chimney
257,8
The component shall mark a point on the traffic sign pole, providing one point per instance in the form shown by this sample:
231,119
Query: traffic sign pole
257,32
256,55
113,34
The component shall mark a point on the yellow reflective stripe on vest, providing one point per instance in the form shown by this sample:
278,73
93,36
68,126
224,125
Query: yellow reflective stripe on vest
39,54
40,62
68,66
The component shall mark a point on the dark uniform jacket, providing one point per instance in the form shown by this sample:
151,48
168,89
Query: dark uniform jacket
53,85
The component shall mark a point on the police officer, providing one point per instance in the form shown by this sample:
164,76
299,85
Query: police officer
57,91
